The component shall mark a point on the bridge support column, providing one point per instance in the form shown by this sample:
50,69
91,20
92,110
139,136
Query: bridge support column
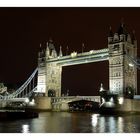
53,80
43,103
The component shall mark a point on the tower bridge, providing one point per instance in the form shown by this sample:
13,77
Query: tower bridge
50,67
121,54
122,75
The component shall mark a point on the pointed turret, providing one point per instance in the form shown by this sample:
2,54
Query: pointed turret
51,49
47,50
122,28
133,35
122,32
67,50
110,35
51,45
54,53
40,53
134,41
83,47
40,48
129,38
116,37
101,88
60,52
110,32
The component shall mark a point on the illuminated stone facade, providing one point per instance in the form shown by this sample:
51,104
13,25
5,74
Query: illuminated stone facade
49,74
122,71
41,80
53,79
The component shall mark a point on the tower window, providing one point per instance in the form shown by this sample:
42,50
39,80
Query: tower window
116,47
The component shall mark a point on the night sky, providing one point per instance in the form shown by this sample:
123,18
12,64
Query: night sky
23,29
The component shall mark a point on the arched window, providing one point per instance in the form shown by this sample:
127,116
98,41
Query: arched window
51,93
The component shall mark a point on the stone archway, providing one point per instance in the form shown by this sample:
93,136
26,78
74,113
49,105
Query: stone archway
51,93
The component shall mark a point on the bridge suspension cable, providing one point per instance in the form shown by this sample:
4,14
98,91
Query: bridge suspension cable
25,90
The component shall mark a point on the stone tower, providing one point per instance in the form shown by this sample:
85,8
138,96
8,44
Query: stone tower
122,71
49,73
41,81
53,72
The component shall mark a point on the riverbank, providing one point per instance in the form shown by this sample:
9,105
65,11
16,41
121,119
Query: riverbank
13,114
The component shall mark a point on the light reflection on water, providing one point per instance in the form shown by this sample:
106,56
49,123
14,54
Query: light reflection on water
25,128
95,119
107,124
64,122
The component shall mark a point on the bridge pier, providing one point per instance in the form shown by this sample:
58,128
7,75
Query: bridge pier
43,103
60,107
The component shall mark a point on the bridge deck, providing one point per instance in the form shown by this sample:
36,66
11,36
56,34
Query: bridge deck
81,58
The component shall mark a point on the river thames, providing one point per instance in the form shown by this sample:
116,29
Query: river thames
78,122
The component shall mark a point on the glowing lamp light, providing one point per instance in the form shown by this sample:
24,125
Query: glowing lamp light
26,100
94,120
32,102
121,100
111,100
91,52
103,100
74,54
25,128
131,65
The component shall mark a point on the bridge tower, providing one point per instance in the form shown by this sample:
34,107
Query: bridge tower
53,72
122,71
41,81
49,74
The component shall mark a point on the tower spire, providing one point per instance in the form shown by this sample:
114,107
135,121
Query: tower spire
110,35
122,29
40,48
47,44
122,22
101,87
60,52
47,50
83,47
133,37
67,50
110,32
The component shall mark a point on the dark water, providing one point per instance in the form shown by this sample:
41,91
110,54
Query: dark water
64,122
